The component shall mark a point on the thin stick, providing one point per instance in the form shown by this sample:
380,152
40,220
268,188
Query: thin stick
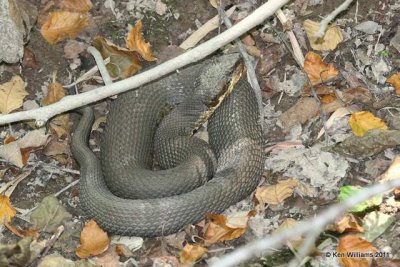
100,64
324,23
249,65
41,115
257,247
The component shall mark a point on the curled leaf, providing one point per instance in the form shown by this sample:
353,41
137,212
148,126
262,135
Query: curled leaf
123,63
94,240
317,70
61,25
191,253
7,211
135,42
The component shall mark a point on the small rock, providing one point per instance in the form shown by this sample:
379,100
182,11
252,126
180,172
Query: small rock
368,27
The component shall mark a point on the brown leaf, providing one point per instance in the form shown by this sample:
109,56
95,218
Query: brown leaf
108,259
317,71
333,36
355,244
17,152
94,241
305,109
7,211
61,25
191,253
123,63
359,94
348,223
29,59
60,124
75,5
222,228
55,93
135,42
12,94
275,194
395,81
22,233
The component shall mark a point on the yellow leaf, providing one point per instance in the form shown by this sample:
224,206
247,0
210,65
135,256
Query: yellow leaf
12,94
317,70
332,38
61,25
7,211
191,253
123,63
363,121
395,81
94,240
60,124
275,194
135,42
357,246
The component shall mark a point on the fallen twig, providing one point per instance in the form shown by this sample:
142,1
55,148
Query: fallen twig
324,23
249,65
258,247
41,115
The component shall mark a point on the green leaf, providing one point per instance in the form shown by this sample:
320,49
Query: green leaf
349,191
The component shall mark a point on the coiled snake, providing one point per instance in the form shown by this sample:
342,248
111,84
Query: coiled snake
125,196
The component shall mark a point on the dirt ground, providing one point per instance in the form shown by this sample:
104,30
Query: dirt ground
363,60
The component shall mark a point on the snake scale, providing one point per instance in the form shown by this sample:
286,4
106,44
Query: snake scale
155,124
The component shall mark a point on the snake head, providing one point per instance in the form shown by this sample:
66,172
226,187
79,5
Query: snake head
215,75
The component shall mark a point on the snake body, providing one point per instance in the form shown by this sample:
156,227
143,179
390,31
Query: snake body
125,196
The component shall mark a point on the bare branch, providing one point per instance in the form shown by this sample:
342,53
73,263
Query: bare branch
41,115
258,247
324,23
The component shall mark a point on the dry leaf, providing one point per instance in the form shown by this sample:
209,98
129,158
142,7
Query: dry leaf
306,108
60,124
295,241
23,233
12,94
108,259
317,70
7,211
348,223
360,94
222,228
275,194
94,241
76,5
356,246
61,25
123,63
332,38
392,172
395,81
191,253
339,113
55,92
135,42
363,121
17,152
